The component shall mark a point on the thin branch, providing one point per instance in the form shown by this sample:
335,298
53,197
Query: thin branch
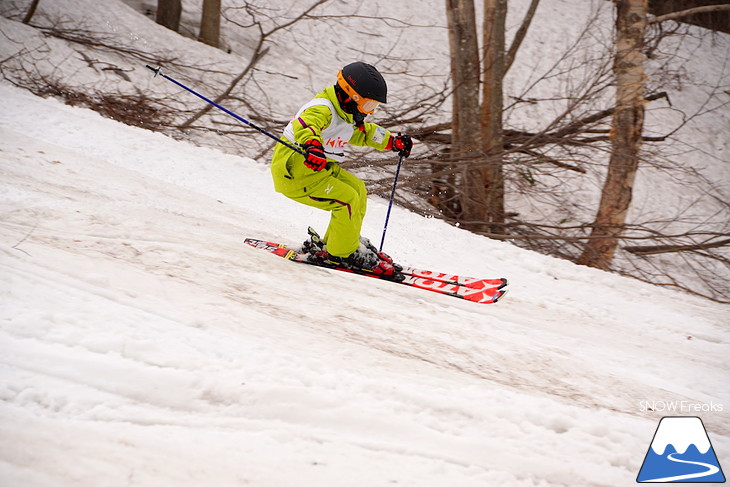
519,36
689,11
665,249
258,54
31,11
574,127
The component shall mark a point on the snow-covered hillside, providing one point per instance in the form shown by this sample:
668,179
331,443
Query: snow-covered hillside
142,344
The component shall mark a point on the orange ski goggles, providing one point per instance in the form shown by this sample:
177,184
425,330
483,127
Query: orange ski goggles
365,105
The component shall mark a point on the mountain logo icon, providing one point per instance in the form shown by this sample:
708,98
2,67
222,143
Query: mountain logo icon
680,452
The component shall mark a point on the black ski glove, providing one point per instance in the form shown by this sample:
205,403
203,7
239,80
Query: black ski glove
402,144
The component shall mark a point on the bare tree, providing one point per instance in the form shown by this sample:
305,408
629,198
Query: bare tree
210,23
168,13
259,52
477,127
493,48
465,67
627,126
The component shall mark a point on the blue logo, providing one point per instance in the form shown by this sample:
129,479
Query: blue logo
681,452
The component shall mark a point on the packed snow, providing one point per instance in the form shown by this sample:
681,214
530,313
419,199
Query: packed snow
142,343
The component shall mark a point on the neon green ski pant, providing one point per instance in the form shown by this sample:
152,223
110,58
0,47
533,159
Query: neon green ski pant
344,195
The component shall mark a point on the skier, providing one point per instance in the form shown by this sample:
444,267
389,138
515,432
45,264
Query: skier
323,128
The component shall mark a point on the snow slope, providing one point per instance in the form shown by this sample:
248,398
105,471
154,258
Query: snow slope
142,344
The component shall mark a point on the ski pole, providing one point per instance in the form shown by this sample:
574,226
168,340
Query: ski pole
390,204
237,117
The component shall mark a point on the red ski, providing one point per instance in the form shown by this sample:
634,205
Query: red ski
473,282
467,288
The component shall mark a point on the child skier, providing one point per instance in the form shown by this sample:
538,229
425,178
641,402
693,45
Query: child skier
323,128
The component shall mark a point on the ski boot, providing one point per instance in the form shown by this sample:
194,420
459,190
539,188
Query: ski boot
365,261
382,255
313,245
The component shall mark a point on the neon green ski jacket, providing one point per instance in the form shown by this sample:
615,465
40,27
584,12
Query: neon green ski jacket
316,120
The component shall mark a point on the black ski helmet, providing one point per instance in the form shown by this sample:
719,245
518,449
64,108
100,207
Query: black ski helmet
365,80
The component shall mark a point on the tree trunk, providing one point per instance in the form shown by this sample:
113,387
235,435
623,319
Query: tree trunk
168,13
627,126
489,180
465,131
210,23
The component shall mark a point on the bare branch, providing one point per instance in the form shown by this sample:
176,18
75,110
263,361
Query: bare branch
665,249
31,11
689,11
520,35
